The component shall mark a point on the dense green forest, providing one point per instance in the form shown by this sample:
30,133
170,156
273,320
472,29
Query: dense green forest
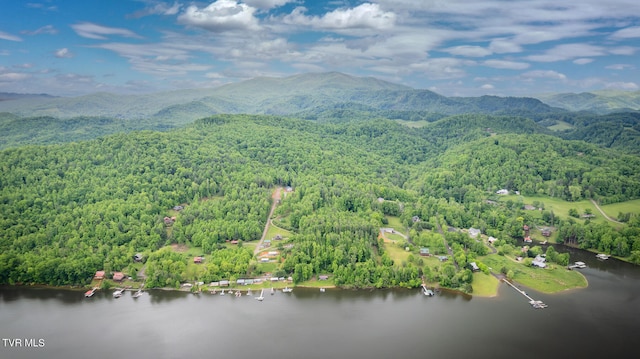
70,209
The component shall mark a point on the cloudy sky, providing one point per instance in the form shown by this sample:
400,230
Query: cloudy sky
453,47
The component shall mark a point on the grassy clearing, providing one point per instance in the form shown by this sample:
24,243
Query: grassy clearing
395,223
560,207
413,124
314,283
485,285
561,126
397,254
613,209
553,279
274,231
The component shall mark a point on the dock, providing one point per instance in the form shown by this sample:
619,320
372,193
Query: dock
538,304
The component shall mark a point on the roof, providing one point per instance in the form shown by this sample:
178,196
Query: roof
99,274
118,275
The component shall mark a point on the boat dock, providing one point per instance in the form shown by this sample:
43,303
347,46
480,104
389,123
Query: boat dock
538,304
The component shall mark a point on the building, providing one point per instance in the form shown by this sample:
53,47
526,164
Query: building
474,232
474,267
323,277
99,275
138,257
424,252
502,191
491,240
539,262
178,208
118,276
443,258
197,260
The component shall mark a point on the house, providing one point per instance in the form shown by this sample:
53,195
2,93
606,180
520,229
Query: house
277,237
266,243
235,241
323,277
491,240
546,232
197,260
264,260
443,258
474,267
474,232
424,252
99,275
138,257
529,207
289,189
224,283
502,191
415,219
118,276
169,220
272,253
539,262
178,208
527,240
240,282
380,199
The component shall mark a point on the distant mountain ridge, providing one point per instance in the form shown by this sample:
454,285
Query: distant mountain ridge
598,102
266,95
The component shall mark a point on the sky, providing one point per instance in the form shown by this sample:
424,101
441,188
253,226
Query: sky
452,47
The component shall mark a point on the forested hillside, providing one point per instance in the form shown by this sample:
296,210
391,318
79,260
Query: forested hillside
71,209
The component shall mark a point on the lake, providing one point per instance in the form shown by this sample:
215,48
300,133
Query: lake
602,319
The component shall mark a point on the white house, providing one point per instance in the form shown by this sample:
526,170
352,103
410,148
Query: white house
502,191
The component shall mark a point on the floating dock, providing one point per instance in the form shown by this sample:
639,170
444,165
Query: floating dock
538,304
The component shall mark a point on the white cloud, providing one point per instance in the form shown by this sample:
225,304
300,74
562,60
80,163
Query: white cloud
363,16
582,61
548,74
63,53
267,4
507,65
568,51
487,87
99,32
9,37
467,50
158,8
627,33
220,16
47,29
620,67
622,86
501,46
623,50
13,76
441,68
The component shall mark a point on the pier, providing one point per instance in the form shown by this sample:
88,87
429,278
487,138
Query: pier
538,304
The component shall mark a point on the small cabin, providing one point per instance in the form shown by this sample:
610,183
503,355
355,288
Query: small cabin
474,267
197,260
118,276
424,252
138,257
99,275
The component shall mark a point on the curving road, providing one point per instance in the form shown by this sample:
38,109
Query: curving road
604,214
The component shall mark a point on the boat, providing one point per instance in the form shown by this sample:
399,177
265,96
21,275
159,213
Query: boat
427,292
602,256
118,293
287,290
537,304
137,294
261,297
322,290
90,293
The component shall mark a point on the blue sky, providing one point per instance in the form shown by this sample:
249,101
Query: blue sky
453,47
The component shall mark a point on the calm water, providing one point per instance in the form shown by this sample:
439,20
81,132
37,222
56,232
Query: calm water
603,319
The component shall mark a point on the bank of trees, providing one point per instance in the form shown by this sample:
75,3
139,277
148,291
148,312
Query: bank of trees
69,210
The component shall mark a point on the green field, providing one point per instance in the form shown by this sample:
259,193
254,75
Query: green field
561,126
559,207
413,124
273,231
613,209
552,279
395,223
485,285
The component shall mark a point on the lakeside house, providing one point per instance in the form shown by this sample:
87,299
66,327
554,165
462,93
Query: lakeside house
539,262
424,252
323,277
118,276
99,275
